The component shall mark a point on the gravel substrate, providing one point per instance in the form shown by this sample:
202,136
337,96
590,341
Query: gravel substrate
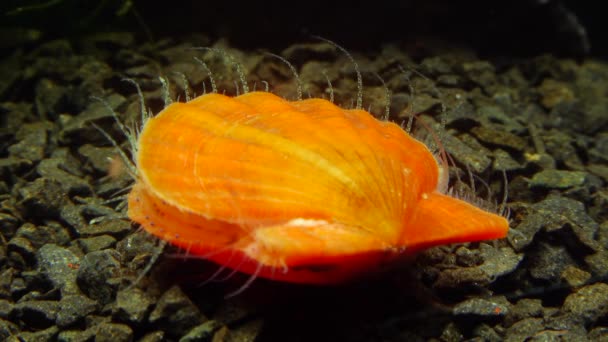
69,256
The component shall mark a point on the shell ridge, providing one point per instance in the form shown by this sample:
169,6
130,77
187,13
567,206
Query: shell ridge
219,121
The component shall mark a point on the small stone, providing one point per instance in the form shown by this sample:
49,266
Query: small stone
598,263
564,214
467,257
95,273
599,170
598,334
542,160
599,212
202,332
116,228
45,335
132,305
155,336
8,226
559,145
13,166
98,158
7,329
73,308
599,151
53,169
587,304
18,287
480,72
555,92
79,129
451,333
498,261
486,333
524,308
59,265
490,307
574,276
50,98
452,278
42,198
113,332
558,179
523,234
548,261
136,244
72,215
96,243
23,247
76,335
176,313
6,308
52,233
504,162
32,141
435,66
37,313
524,329
499,138
463,153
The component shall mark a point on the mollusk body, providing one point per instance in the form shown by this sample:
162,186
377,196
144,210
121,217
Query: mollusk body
301,191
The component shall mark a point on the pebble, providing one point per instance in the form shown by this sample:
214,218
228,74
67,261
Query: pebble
154,336
175,313
524,308
36,313
574,276
587,304
32,140
96,243
79,129
6,307
113,332
558,179
38,236
498,261
132,306
53,169
565,213
43,197
96,273
7,329
598,263
116,228
548,261
76,335
504,162
524,329
97,158
202,332
45,335
59,265
499,137
523,234
482,307
73,309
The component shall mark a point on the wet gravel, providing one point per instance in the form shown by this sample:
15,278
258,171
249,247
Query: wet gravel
69,257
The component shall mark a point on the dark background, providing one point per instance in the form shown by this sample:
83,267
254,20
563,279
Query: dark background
512,28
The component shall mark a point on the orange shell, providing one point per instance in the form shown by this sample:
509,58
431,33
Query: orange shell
300,191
